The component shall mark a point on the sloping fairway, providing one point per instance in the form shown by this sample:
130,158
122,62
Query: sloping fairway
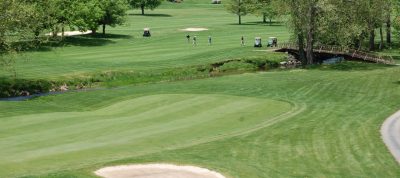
132,127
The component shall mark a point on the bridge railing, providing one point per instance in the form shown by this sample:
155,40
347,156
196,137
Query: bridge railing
366,56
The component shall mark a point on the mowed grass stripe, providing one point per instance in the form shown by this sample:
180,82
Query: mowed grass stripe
172,121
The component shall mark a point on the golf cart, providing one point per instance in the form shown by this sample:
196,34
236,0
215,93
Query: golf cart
146,32
272,42
257,42
216,2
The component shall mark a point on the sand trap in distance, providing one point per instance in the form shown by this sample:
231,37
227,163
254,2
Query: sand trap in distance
71,33
156,171
194,29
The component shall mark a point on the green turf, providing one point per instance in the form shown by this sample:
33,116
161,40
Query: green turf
319,122
333,130
131,127
126,49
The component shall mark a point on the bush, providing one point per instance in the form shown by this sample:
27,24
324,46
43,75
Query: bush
238,66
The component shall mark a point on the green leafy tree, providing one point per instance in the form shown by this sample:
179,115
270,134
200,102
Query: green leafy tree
87,15
239,7
304,18
114,13
268,9
15,27
145,4
91,14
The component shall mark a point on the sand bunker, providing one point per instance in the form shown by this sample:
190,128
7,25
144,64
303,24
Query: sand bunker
71,33
156,171
194,29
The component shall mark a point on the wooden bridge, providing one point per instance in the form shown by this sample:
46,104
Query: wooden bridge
326,51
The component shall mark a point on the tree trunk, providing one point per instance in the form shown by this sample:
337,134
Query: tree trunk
381,45
300,42
55,31
372,39
142,8
310,33
270,22
240,20
94,31
104,29
264,18
360,40
388,30
62,31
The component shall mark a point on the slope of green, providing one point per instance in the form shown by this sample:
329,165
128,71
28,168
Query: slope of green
136,126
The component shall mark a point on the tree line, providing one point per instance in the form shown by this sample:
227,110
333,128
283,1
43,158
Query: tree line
360,24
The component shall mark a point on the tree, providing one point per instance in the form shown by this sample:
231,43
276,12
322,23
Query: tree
145,4
268,9
14,27
91,14
87,15
114,13
238,7
304,17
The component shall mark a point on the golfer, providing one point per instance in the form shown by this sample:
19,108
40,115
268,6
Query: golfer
209,40
188,38
194,41
242,41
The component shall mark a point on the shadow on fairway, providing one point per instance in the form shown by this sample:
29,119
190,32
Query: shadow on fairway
81,40
152,15
259,23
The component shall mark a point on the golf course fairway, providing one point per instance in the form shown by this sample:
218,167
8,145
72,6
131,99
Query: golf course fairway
132,127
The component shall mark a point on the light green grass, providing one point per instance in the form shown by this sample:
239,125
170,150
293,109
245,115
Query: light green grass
133,127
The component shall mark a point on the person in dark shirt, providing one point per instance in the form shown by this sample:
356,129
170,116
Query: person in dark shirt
188,38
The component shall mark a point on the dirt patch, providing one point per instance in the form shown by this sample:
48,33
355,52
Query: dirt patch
194,29
71,33
156,171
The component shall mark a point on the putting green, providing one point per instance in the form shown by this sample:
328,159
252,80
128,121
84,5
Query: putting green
34,143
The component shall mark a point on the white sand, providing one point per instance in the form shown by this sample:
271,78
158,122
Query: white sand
71,33
156,171
194,29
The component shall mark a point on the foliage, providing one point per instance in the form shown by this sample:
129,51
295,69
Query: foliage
145,4
268,9
238,7
114,13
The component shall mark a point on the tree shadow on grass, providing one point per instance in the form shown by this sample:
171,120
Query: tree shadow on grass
88,40
152,15
259,23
